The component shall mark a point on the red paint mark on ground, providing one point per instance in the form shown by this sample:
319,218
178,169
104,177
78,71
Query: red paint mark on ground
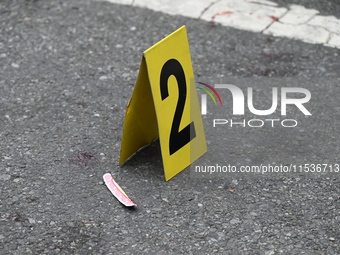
219,14
274,18
18,217
84,159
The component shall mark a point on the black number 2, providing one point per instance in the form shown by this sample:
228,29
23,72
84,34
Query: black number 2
177,138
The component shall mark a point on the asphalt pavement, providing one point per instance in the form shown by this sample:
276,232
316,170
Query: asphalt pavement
67,71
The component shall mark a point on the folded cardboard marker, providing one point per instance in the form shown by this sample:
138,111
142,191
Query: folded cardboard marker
165,104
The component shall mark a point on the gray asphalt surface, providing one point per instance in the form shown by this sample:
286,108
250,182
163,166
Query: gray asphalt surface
68,69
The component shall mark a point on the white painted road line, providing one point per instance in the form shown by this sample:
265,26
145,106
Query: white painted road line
192,9
260,16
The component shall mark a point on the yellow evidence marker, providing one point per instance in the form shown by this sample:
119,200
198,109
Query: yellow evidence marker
165,104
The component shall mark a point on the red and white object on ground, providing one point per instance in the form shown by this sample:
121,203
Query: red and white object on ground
117,191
